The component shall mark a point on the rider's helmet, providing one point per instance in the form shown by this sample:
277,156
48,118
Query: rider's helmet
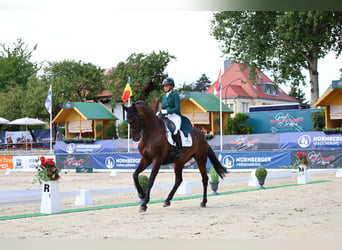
168,80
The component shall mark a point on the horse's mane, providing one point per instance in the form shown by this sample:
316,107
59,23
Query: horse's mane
140,102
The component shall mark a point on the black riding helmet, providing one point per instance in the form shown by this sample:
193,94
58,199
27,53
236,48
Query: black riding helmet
168,80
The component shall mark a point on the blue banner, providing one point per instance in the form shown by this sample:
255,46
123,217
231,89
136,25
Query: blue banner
98,146
250,160
310,140
115,161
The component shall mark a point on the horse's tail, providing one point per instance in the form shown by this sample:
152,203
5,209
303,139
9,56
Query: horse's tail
216,163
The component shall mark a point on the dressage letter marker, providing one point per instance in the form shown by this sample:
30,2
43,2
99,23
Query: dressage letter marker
50,202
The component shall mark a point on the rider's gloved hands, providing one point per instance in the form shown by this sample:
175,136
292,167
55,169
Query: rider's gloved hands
163,112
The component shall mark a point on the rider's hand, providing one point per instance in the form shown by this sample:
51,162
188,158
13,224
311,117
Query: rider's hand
163,112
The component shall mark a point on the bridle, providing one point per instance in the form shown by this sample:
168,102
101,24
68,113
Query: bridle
134,116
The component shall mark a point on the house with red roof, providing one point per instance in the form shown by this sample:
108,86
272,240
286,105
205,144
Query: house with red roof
239,93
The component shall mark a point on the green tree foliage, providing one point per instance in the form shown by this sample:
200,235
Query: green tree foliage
16,65
146,73
110,131
298,94
282,42
318,120
202,84
72,81
237,125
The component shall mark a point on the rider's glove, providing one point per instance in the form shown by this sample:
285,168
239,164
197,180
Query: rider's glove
163,112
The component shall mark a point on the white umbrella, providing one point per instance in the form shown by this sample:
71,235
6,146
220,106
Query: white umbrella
3,120
26,121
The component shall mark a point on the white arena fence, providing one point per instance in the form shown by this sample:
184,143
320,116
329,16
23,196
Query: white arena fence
18,197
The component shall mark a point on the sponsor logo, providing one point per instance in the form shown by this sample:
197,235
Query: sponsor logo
110,162
70,148
304,141
228,161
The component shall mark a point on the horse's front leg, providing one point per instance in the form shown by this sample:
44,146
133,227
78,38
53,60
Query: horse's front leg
178,181
142,166
154,172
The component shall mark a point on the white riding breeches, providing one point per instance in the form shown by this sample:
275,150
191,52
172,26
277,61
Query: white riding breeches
176,119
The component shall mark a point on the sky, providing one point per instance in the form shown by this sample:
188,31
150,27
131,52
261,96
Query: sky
106,35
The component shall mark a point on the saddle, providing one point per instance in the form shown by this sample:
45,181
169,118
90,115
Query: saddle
167,124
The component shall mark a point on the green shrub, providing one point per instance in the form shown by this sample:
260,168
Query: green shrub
261,172
214,177
123,130
143,181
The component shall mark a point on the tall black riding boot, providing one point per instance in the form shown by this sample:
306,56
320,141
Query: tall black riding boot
178,140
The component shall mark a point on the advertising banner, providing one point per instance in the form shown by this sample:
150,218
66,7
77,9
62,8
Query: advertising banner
250,160
29,161
121,145
246,142
310,140
6,162
98,146
115,161
321,158
281,121
73,161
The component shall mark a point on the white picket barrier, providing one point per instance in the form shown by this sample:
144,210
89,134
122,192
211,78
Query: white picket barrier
84,197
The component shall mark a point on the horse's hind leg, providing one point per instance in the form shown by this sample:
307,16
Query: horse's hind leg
201,162
178,181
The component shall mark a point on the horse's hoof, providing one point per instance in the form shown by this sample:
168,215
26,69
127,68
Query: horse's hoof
167,203
203,204
143,208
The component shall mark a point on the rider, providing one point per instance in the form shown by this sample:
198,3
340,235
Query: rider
171,108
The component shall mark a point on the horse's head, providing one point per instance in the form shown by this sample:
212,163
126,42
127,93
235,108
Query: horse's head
135,121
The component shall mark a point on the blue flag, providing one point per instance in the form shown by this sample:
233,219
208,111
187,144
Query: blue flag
48,101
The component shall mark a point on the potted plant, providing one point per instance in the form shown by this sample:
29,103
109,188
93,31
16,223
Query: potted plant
302,164
47,171
261,174
214,180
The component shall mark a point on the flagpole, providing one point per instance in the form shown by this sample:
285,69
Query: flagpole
220,113
129,128
51,123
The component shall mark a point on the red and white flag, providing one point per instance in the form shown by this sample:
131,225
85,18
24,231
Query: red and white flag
217,88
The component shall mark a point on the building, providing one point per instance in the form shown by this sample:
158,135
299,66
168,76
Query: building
332,101
239,93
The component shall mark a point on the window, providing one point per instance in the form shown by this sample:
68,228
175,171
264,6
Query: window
243,107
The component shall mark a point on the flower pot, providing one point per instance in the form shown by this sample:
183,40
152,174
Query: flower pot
303,176
214,186
261,181
50,202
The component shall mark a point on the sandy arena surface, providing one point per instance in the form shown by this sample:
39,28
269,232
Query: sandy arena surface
311,211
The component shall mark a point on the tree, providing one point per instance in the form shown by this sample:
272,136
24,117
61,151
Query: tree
16,66
298,94
284,42
202,84
72,81
237,125
146,73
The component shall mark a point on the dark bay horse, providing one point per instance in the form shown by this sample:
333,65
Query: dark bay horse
154,149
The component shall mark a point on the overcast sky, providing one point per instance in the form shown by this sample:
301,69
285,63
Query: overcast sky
105,36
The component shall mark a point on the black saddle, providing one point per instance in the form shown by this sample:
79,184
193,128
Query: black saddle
167,123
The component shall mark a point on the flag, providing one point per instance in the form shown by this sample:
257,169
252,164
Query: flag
48,100
127,91
217,88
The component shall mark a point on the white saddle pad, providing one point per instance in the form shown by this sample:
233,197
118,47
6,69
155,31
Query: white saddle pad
186,141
